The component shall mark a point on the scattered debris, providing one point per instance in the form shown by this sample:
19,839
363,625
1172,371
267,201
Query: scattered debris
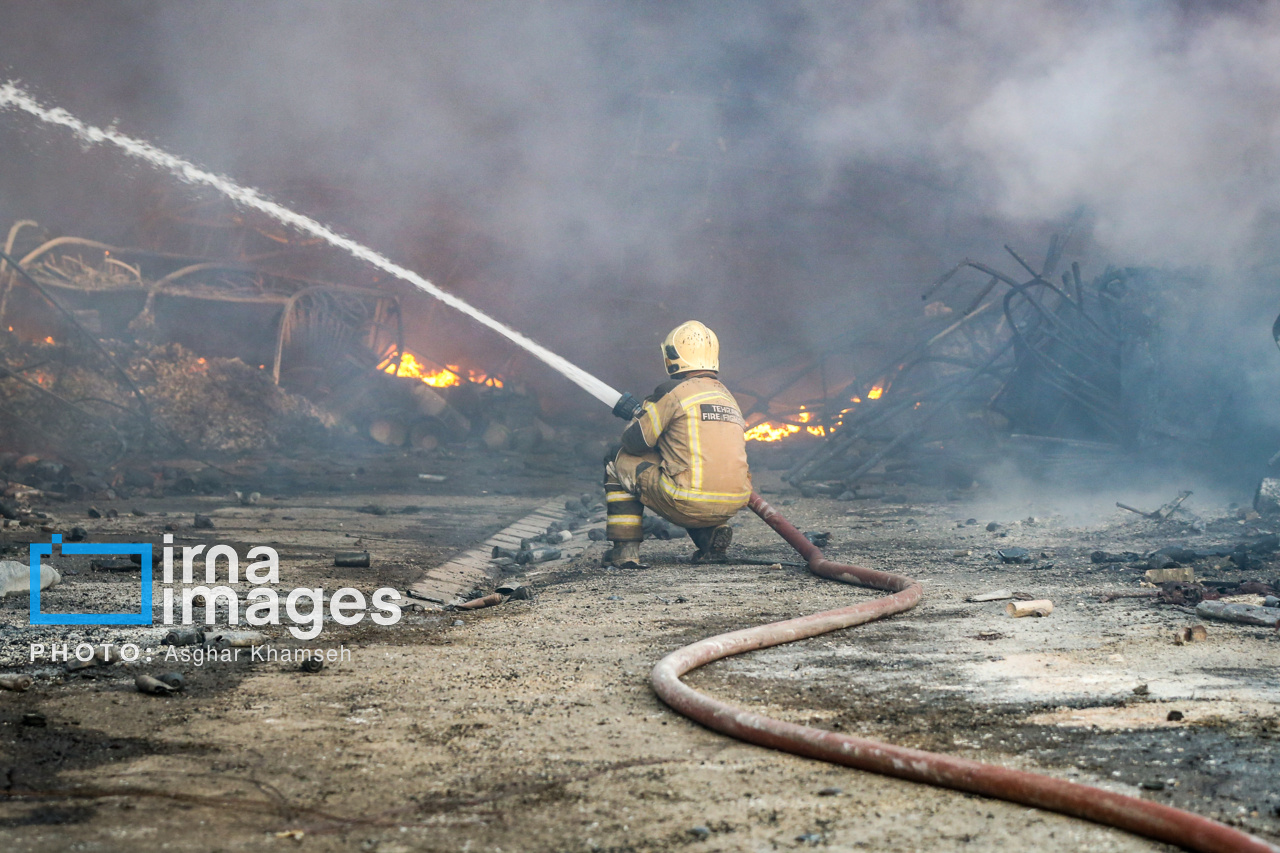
819,538
1183,594
1164,512
997,595
352,559
18,683
553,536
1182,575
515,591
1036,607
184,637
175,680
106,655
1014,555
538,555
312,665
153,686
484,601
1243,614
15,578
1191,634
1266,501
235,639
1101,557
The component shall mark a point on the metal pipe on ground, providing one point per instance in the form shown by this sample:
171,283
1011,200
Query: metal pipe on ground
1142,817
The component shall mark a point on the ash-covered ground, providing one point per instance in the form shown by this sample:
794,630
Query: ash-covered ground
531,725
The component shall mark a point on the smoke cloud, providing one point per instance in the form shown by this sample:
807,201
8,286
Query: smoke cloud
594,172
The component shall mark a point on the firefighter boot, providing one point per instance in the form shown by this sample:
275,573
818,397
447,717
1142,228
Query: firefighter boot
712,543
624,555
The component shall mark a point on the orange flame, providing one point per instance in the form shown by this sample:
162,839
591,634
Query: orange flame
769,432
411,368
875,392
479,377
443,377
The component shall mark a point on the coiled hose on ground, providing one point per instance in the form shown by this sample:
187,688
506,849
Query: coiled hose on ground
1142,817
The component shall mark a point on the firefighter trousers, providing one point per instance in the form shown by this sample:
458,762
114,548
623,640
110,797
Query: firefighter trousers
633,482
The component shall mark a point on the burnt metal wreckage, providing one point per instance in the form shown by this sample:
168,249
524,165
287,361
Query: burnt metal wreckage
112,353
1045,368
105,303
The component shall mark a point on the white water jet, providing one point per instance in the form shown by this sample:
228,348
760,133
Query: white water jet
11,96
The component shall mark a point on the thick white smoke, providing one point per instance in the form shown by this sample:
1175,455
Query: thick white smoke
594,172
1164,122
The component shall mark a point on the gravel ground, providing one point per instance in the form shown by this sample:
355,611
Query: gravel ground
531,726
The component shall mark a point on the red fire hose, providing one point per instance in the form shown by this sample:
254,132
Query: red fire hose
1159,822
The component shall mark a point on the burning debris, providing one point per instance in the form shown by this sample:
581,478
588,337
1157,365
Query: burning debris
253,413
192,404
1052,371
100,360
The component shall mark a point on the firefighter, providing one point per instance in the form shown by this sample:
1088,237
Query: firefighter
683,454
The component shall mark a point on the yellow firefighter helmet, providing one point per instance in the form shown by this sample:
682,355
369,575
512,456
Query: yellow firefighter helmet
691,346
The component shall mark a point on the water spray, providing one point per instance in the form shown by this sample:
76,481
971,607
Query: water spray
13,97
1143,817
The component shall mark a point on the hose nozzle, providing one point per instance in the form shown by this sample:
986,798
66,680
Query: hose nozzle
627,407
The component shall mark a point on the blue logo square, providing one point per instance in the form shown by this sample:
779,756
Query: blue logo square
143,617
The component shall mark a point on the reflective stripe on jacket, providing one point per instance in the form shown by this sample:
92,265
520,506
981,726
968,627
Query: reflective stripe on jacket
697,428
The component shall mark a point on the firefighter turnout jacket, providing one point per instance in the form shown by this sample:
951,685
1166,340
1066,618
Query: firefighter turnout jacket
684,455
